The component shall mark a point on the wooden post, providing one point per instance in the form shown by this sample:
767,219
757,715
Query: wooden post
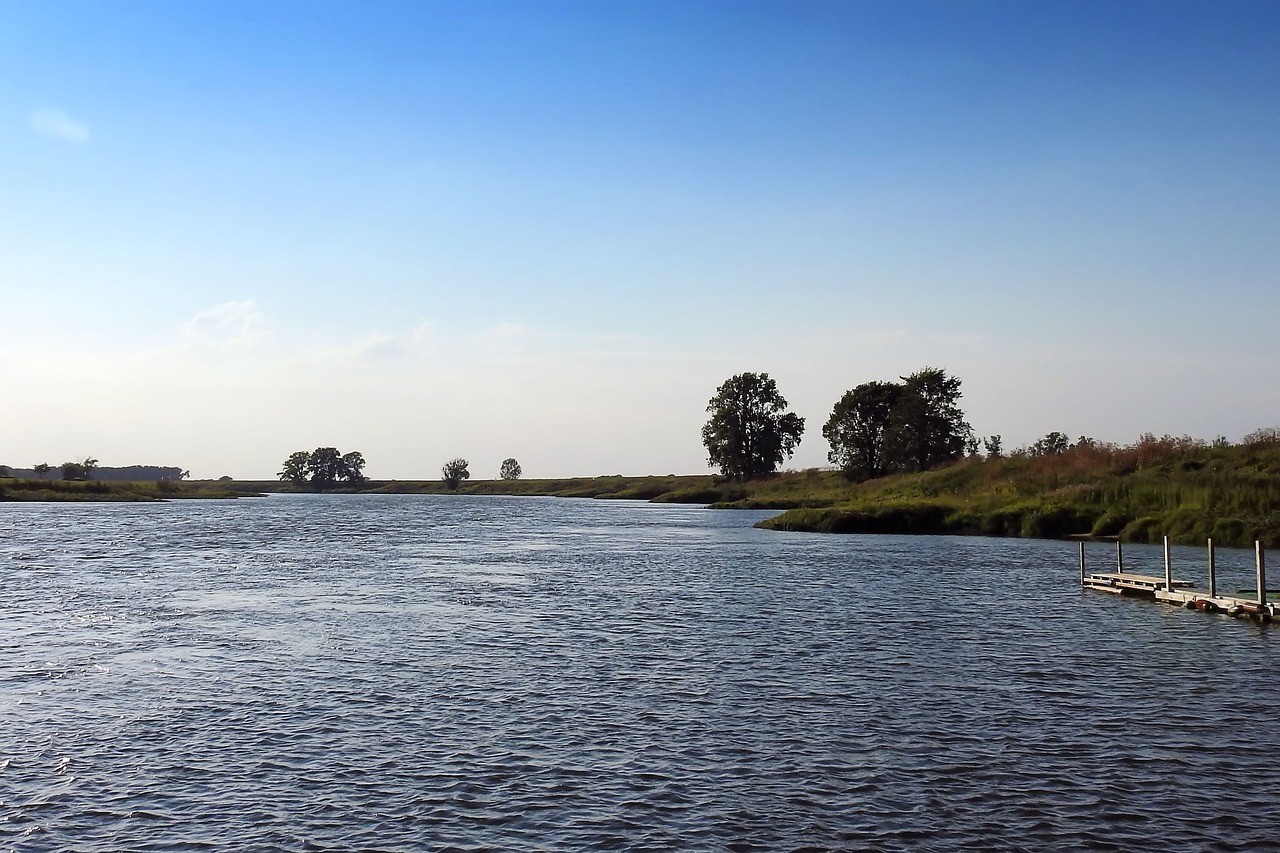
1213,577
1082,563
1168,567
1262,572
1119,557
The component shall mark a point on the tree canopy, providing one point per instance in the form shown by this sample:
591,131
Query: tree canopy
750,432
510,469
882,427
322,468
454,472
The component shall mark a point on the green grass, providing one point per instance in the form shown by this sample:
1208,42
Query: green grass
1185,489
20,489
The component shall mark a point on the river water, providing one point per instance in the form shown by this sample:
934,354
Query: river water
415,673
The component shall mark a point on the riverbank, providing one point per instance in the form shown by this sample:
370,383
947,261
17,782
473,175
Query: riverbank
1178,487
28,489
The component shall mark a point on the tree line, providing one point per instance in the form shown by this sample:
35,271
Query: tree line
875,429
325,467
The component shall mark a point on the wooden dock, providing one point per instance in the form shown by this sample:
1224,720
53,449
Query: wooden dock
1182,592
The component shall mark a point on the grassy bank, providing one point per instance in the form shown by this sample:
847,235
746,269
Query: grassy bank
21,489
1178,487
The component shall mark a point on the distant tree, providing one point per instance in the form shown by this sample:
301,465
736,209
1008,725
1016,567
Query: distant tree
1052,444
325,467
927,426
972,444
353,467
225,478
73,471
750,432
510,470
994,446
89,464
857,426
454,472
295,468
6,471
42,470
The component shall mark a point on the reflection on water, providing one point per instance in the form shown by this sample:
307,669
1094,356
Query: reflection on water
423,673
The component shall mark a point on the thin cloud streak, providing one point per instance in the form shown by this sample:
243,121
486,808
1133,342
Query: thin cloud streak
56,124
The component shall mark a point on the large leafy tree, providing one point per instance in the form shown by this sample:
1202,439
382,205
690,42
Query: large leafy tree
927,426
882,427
353,467
454,472
510,469
750,432
295,468
857,427
322,468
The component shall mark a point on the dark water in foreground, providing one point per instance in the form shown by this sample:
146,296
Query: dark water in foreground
407,673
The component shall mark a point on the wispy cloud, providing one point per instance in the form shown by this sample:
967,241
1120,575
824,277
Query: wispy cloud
56,124
226,324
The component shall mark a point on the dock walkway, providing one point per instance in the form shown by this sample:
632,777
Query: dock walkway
1182,592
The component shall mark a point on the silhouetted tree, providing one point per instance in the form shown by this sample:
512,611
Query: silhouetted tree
353,467
454,472
857,427
927,426
72,471
995,448
1051,445
42,470
510,470
322,468
750,432
295,468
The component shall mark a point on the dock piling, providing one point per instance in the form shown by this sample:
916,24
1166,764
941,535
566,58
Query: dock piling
1262,572
1213,577
1082,563
1168,566
1119,557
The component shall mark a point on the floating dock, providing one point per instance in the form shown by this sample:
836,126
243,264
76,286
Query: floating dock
1182,592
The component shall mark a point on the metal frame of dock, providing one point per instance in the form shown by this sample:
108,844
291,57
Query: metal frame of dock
1181,592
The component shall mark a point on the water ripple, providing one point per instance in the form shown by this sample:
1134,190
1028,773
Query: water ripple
400,673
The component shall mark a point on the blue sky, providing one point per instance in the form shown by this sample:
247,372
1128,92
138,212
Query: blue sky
549,230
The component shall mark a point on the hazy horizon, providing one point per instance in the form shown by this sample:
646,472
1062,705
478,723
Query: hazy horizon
550,230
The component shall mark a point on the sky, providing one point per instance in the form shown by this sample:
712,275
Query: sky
549,230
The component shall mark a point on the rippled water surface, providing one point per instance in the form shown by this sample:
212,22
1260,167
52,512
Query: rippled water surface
404,673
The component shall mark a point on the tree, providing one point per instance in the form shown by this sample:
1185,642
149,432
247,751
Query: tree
6,471
454,472
857,426
89,464
1051,445
295,468
325,467
42,470
322,468
73,471
750,432
994,446
353,467
510,470
927,426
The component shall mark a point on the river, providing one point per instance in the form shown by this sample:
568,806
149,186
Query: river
423,673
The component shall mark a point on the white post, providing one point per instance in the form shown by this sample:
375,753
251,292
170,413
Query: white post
1082,563
1168,567
1119,557
1213,578
1262,572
